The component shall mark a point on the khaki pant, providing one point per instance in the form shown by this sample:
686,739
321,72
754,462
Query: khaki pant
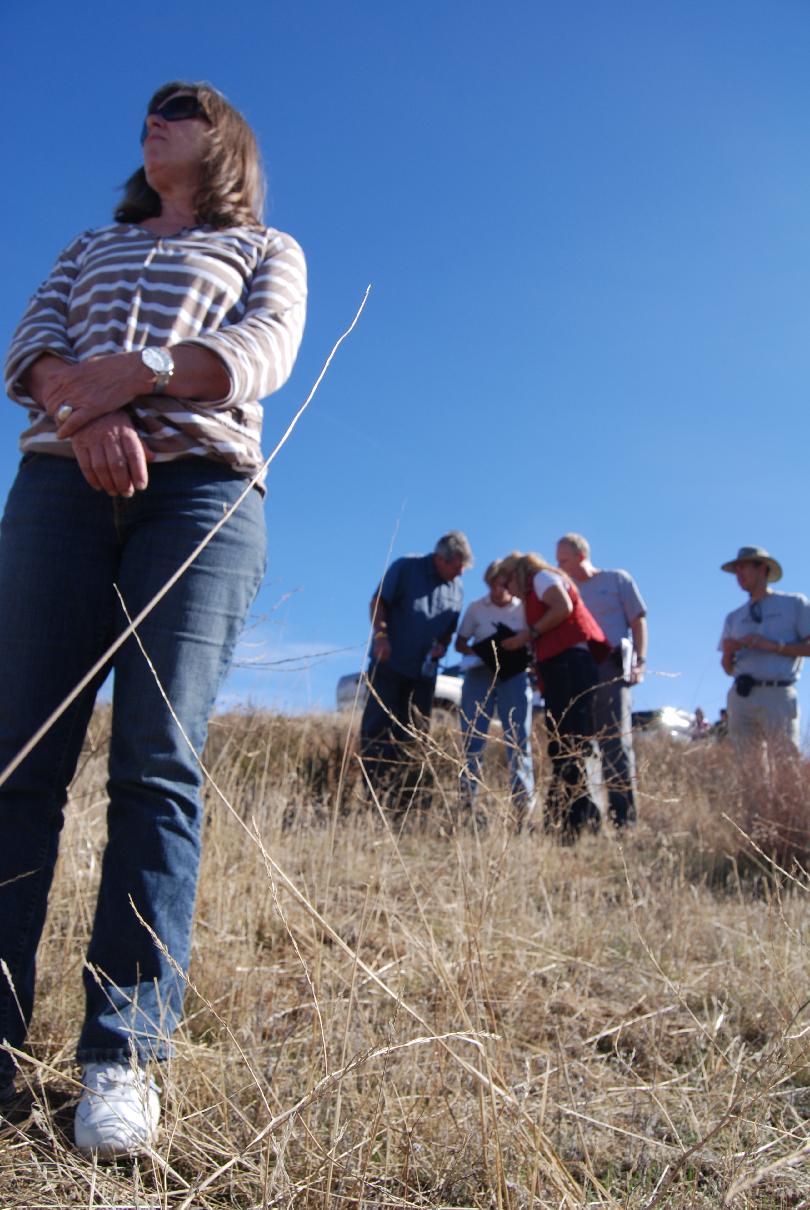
770,712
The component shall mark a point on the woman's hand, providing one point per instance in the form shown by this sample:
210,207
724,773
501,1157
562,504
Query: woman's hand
111,455
94,388
104,384
516,641
381,648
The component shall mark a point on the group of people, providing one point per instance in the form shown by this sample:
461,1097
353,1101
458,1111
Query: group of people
141,362
584,631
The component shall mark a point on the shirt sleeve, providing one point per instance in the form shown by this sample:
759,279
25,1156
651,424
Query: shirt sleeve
43,327
467,627
389,585
631,599
259,350
803,618
543,580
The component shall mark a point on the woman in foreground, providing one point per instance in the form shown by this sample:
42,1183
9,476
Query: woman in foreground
567,644
141,361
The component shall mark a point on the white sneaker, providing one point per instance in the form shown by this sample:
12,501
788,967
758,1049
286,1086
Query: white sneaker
118,1112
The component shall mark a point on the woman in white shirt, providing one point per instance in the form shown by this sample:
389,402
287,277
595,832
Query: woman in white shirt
495,679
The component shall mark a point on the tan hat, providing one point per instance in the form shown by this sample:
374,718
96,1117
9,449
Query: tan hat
755,554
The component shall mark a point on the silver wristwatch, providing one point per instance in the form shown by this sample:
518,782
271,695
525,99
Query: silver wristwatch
161,363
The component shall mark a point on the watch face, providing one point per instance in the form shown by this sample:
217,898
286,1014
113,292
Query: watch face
159,360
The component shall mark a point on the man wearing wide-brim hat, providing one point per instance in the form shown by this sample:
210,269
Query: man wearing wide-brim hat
763,644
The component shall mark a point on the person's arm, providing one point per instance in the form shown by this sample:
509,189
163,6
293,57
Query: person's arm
386,594
259,351
43,329
380,642
111,454
465,632
638,629
518,640
559,606
238,363
758,642
730,648
106,384
441,644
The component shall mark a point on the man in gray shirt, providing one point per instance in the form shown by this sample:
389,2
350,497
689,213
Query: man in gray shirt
763,643
616,604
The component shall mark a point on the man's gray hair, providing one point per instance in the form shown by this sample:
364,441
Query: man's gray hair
576,541
454,546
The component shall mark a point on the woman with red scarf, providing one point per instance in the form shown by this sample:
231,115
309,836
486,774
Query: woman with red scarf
567,643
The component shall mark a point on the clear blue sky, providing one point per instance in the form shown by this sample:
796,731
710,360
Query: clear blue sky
586,226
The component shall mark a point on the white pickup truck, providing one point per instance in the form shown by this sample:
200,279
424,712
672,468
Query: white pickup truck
446,696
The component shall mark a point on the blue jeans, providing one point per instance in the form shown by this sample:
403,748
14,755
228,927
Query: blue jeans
63,547
481,694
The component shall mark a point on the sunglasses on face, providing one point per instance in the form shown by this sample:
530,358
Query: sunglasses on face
176,109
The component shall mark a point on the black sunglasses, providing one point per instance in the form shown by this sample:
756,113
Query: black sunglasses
176,109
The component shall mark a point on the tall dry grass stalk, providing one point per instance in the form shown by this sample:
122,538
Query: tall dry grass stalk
440,1015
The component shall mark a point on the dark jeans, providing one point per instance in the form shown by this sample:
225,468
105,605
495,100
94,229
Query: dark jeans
396,713
63,549
568,684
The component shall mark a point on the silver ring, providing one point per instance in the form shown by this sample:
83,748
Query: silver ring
63,412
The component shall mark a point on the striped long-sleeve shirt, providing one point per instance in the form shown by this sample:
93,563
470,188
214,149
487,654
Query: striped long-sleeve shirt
240,292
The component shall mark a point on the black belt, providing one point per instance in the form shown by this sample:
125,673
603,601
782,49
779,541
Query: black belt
769,684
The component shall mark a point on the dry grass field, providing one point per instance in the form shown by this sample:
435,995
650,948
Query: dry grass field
448,1017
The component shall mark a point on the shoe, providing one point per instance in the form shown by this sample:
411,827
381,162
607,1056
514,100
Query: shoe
119,1111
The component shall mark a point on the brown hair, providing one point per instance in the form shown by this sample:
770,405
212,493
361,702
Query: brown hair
231,189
